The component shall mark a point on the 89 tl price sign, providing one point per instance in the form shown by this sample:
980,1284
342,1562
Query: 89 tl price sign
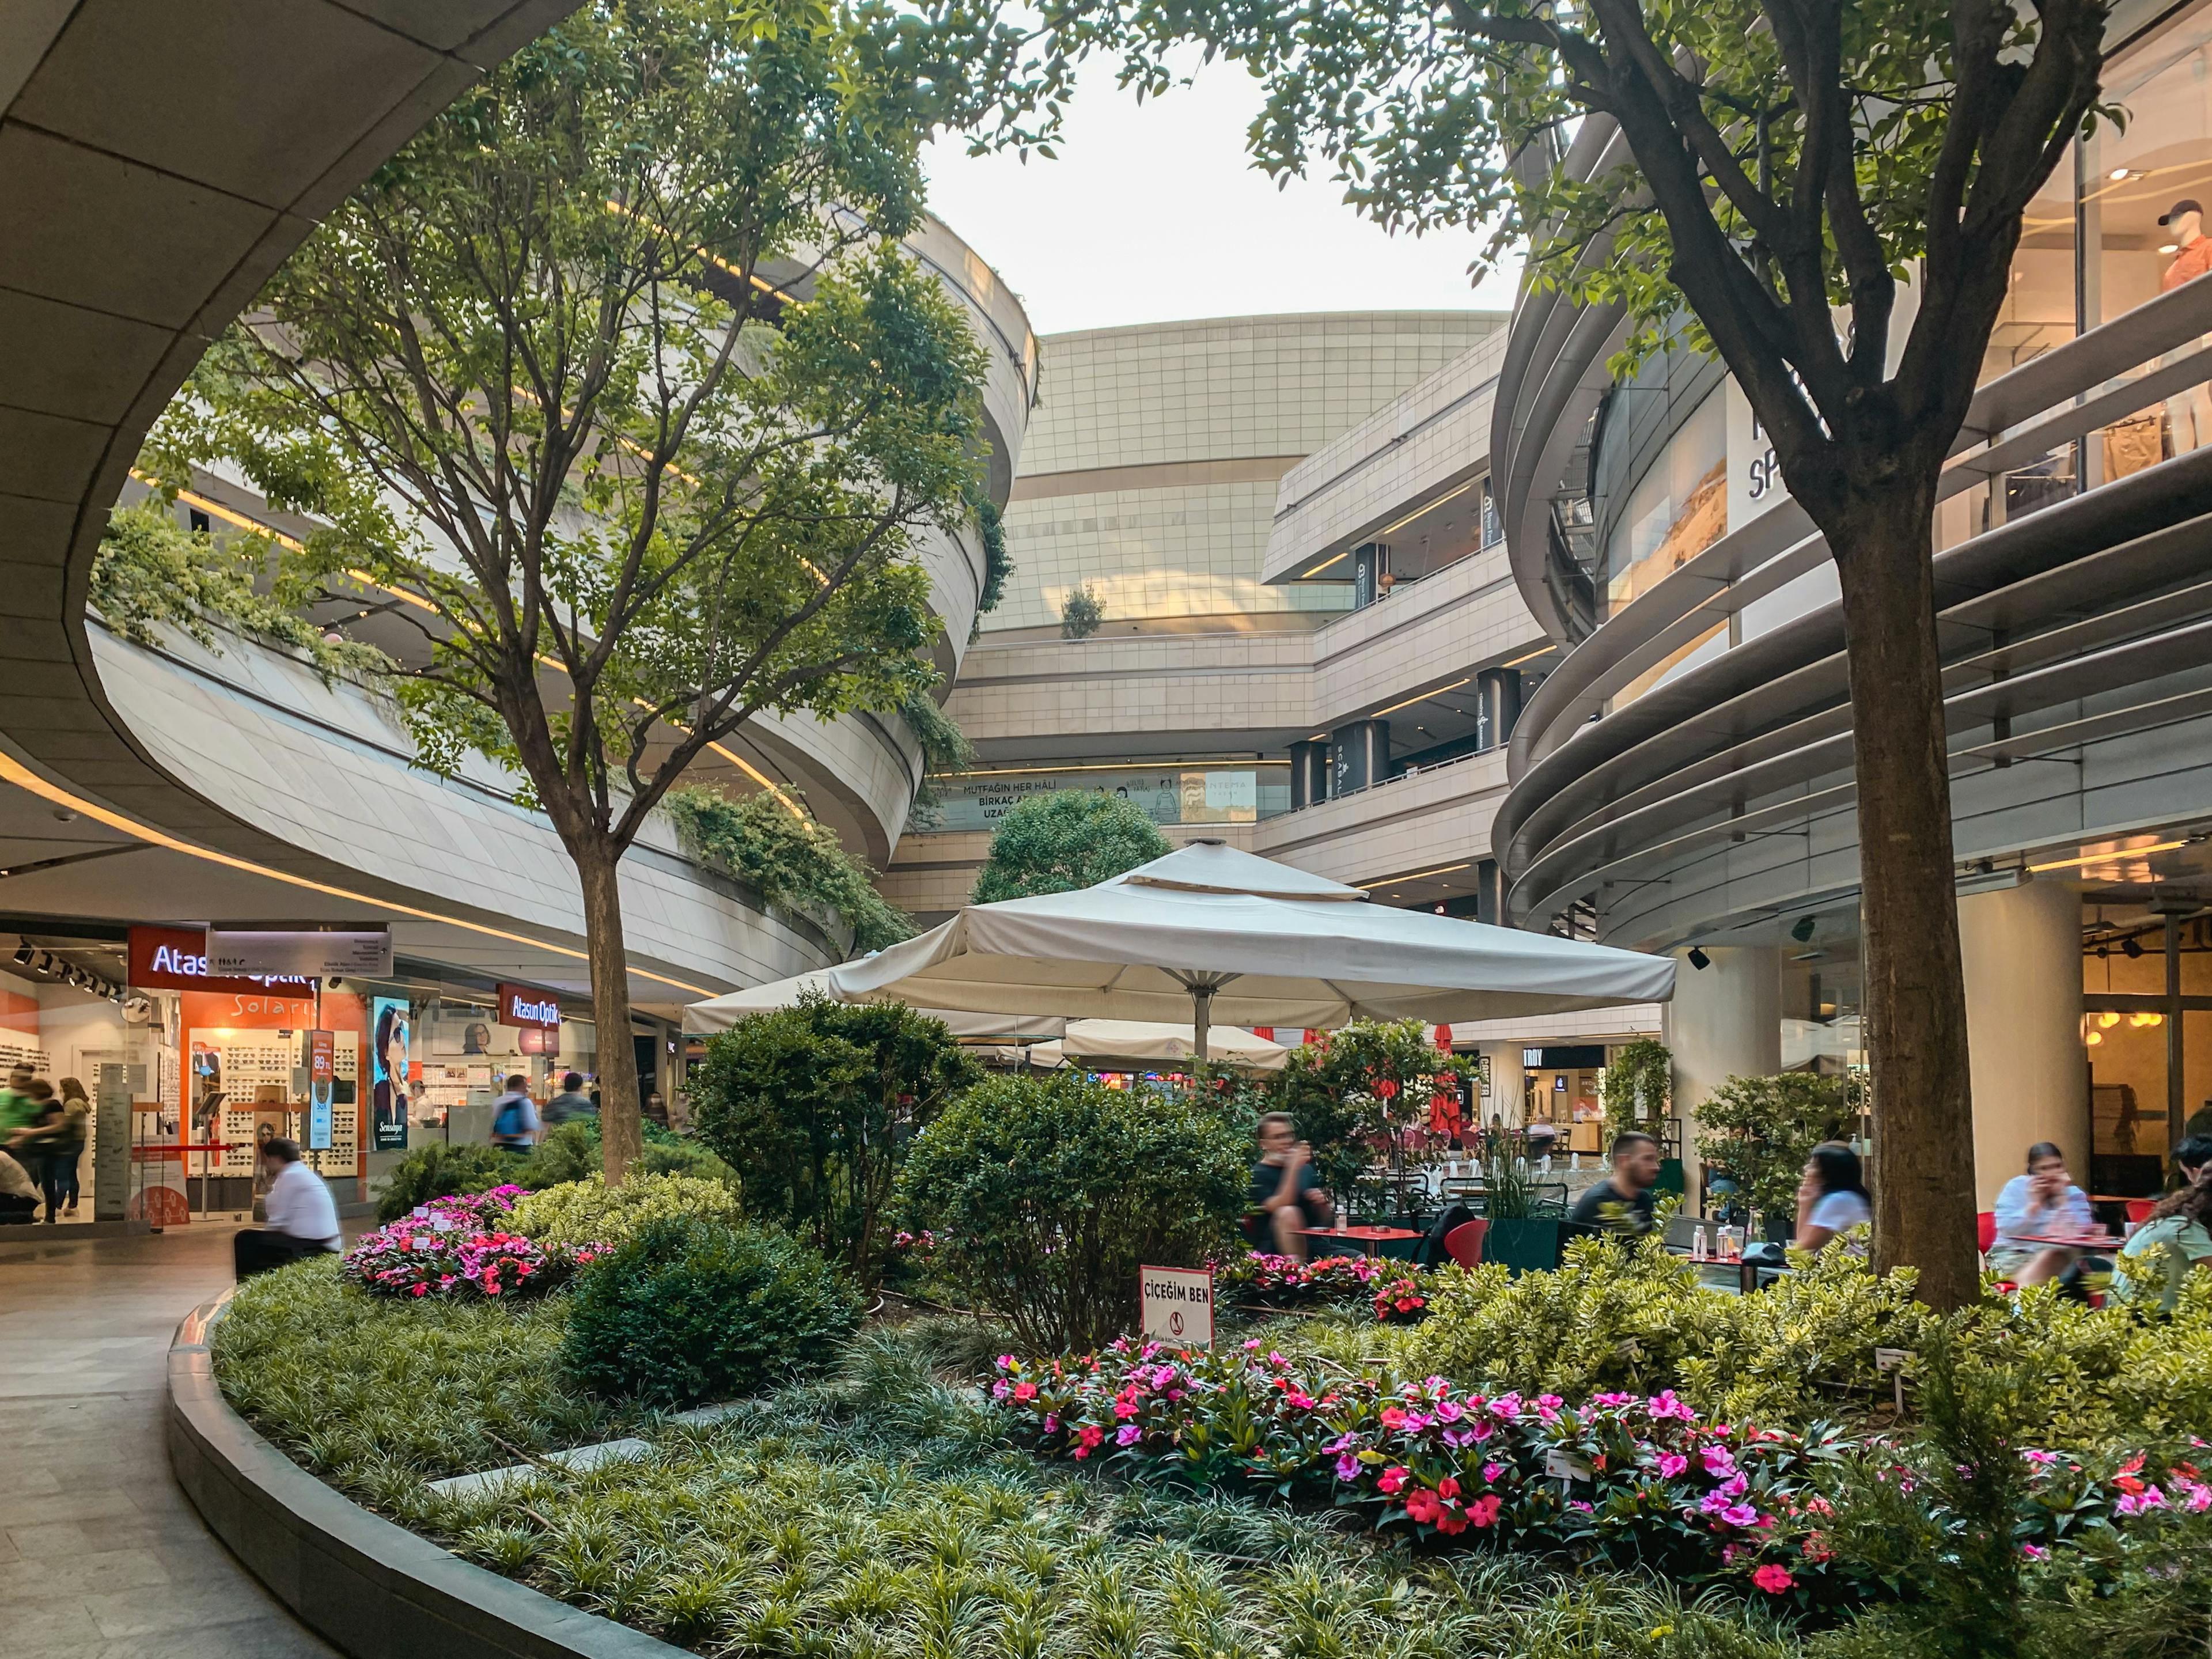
1178,1304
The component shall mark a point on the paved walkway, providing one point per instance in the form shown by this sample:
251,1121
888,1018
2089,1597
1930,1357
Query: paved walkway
100,1556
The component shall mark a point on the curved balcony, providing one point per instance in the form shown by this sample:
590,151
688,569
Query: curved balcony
2074,645
170,158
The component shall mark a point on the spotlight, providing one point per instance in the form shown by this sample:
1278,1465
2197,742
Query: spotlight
23,955
1699,960
42,964
1802,931
2094,1038
2132,947
2108,1019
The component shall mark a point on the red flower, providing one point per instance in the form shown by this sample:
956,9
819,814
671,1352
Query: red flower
1393,1478
1451,1522
1773,1578
1448,1488
1422,1507
1024,1390
1483,1512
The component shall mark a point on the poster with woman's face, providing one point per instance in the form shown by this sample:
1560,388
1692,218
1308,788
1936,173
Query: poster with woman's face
387,1062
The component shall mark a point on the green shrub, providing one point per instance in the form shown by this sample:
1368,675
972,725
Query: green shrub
692,1310
1046,1195
438,1170
817,1105
589,1211
1065,838
1761,1129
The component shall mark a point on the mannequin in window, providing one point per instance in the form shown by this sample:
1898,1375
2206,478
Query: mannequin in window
2189,412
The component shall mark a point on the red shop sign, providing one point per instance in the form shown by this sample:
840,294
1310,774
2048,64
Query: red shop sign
175,959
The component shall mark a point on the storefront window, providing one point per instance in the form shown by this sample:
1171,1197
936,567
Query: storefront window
1185,792
1678,510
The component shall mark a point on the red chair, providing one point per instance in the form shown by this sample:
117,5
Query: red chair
1463,1243
1985,1230
2139,1209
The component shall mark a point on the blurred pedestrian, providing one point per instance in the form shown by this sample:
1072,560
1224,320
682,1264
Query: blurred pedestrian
514,1117
1622,1203
2031,1209
572,1104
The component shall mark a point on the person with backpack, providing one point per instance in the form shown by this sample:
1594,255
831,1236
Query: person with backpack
514,1117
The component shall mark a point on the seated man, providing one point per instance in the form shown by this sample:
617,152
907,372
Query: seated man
19,1199
1286,1194
303,1218
1622,1203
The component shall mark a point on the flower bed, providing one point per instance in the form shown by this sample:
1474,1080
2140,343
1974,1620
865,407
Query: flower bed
1622,1478
460,1247
1397,1293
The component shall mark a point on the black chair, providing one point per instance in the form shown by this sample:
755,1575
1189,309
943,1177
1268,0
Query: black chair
1547,1198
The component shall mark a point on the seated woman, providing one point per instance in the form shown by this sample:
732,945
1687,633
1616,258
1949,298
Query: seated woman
1833,1197
2178,1236
2033,1206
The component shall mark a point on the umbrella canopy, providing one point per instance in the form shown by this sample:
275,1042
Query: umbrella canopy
720,1013
1104,1043
1223,934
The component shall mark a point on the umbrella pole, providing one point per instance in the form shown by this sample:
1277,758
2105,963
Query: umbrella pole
1201,1011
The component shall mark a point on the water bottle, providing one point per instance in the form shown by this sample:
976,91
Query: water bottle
1699,1250
1343,1217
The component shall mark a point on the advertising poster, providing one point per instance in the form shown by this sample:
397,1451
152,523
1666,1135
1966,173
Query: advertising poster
388,1072
322,1083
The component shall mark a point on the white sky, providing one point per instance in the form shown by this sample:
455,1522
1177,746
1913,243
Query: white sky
1153,212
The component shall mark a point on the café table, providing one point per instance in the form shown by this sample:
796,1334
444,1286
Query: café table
1371,1240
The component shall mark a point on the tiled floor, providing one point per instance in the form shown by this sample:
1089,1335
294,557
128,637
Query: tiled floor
100,1556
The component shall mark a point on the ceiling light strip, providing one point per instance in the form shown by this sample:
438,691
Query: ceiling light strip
1428,507
1423,697
2112,855
1418,875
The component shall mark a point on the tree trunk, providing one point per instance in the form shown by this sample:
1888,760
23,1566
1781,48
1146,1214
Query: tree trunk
1914,1003
621,1134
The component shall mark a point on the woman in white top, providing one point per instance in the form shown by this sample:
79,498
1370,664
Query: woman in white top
2033,1206
1833,1197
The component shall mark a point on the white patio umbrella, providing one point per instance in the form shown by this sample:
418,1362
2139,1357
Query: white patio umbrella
1103,1043
722,1012
1248,941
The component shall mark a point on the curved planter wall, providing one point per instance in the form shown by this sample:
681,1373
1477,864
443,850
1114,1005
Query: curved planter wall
372,1589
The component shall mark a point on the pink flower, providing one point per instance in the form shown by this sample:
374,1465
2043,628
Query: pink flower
1128,1435
1773,1578
1393,1478
2033,1552
1483,1512
1719,1461
1347,1467
1491,1471
1740,1515
1672,1464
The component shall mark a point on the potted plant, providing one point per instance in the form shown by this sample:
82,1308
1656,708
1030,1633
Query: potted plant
1761,1130
1518,1240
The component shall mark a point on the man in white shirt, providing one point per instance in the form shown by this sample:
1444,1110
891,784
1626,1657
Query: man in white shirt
303,1219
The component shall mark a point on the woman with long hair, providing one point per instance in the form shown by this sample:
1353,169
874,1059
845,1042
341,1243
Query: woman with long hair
2178,1237
1832,1199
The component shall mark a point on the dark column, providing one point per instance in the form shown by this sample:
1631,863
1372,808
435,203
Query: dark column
1308,773
1489,893
1497,704
1359,755
1368,564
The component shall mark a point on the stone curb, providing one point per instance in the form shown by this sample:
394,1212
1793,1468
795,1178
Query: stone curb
375,1590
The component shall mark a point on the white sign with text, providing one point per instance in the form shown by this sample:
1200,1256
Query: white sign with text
1178,1305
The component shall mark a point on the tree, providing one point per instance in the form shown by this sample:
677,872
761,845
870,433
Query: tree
1762,1129
1069,838
1360,1087
1795,160
818,1104
1081,613
616,388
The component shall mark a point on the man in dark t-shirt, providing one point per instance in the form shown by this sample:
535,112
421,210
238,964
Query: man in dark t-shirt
1286,1195
1622,1203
